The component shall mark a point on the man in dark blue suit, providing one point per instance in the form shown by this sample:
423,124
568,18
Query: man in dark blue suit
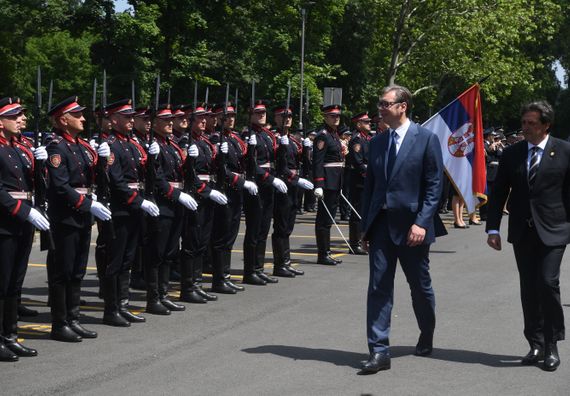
401,196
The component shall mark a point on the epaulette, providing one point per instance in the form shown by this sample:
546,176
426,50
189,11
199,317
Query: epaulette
53,138
322,131
111,139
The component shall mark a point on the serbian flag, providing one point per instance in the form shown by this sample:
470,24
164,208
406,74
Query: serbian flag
459,127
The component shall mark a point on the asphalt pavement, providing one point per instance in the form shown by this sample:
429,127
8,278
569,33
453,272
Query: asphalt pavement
302,336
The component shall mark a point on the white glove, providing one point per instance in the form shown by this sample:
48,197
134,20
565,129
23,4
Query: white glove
40,153
104,150
218,197
93,143
252,140
305,184
280,185
193,151
94,197
307,142
224,148
251,187
154,149
38,220
100,211
150,208
188,201
319,192
284,140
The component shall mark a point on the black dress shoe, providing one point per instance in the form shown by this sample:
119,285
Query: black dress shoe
357,250
295,270
326,260
253,279
551,358
172,305
65,334
82,331
376,362
474,222
464,226
283,272
223,288
532,357
338,261
206,295
424,346
131,317
26,312
20,350
192,297
6,355
156,308
115,319
234,286
267,278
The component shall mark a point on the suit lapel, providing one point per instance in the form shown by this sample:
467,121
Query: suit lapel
546,160
407,144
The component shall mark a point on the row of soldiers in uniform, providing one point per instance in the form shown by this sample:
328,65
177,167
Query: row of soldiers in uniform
200,179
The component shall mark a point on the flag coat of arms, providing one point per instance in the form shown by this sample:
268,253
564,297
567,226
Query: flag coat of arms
459,128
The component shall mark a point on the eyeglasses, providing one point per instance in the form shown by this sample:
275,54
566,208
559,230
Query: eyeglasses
383,104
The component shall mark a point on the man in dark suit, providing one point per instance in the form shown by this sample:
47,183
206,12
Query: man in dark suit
536,172
401,196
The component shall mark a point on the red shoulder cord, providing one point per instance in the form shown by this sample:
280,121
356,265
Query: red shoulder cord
273,139
298,144
141,150
25,149
241,143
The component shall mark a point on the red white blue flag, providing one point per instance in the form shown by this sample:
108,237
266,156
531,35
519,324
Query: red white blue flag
459,127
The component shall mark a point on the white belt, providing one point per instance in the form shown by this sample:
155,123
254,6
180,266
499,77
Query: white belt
334,165
27,195
179,185
266,165
135,186
84,190
205,178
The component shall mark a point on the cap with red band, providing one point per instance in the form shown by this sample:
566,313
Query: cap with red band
10,107
69,105
331,110
281,110
361,117
219,109
259,106
143,111
164,111
124,107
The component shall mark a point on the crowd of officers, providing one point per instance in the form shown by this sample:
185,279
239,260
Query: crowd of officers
205,175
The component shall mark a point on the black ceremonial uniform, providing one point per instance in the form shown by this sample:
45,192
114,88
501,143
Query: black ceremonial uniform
285,210
126,167
259,208
328,169
357,162
16,237
71,172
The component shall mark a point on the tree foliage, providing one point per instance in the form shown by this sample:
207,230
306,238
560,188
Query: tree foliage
436,47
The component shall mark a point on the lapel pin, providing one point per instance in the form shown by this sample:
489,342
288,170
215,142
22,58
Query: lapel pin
552,153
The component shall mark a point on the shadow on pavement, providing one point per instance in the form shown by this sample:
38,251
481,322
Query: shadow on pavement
352,359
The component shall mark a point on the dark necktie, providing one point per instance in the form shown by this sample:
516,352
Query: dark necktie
391,154
533,166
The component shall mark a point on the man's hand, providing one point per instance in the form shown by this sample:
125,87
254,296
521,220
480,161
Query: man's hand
364,245
416,235
494,240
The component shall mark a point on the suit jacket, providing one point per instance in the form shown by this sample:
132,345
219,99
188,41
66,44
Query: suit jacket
547,203
411,195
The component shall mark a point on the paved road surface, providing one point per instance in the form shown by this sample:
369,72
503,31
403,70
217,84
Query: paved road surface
303,336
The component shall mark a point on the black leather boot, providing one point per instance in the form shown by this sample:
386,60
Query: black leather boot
124,294
23,311
60,330
279,266
10,329
111,316
73,301
6,355
323,243
260,263
287,257
551,357
354,240
163,283
187,293
153,304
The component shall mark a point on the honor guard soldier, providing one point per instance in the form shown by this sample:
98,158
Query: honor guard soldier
141,134
18,217
328,167
201,165
71,171
289,156
227,217
259,208
126,167
180,120
171,200
357,162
